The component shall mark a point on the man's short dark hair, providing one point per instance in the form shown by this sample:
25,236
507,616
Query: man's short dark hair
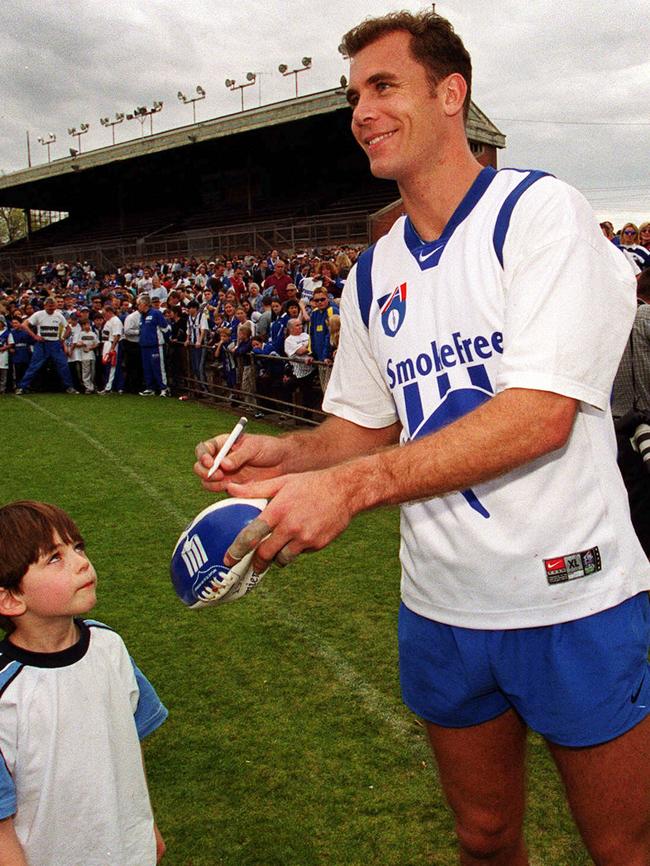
434,44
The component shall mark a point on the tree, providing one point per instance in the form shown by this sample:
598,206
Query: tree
12,224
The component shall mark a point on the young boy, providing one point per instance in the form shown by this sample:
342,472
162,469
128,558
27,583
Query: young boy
86,344
73,707
242,353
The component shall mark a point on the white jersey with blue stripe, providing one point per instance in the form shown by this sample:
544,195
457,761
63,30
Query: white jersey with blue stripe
71,772
521,290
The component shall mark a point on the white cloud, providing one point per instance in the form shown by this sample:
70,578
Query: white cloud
72,61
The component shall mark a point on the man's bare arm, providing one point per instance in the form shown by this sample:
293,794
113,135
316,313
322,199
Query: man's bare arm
260,457
27,327
310,508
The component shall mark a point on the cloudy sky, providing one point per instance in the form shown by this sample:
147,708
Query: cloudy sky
567,82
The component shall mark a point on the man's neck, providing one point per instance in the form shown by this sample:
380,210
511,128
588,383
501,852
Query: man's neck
431,198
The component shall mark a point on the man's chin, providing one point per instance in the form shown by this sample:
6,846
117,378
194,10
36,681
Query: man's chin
383,172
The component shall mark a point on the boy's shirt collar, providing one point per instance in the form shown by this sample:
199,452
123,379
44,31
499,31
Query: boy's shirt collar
69,656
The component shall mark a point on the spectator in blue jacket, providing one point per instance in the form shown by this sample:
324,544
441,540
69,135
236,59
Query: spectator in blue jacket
319,333
154,329
23,342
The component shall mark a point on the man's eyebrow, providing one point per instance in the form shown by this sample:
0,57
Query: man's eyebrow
376,77
381,76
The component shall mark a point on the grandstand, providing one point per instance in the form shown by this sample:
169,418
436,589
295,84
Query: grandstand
287,175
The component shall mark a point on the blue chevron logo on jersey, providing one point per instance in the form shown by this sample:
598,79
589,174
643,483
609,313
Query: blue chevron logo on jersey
454,404
393,310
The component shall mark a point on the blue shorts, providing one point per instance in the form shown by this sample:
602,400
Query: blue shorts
576,683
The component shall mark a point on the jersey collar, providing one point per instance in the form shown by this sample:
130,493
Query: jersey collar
49,660
427,255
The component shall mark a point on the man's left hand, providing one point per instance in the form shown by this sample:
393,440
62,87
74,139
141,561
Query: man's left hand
306,511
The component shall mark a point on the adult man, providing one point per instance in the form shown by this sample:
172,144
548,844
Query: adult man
218,280
112,333
132,355
49,329
483,332
153,329
277,282
145,282
196,338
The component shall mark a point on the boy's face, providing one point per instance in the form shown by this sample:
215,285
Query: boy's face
62,583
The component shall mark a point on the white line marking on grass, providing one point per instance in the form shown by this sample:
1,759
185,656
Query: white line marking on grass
401,724
373,700
148,488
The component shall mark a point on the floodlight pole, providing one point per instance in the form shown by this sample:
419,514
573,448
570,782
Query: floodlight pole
83,129
119,118
231,84
47,142
259,75
186,99
141,113
284,70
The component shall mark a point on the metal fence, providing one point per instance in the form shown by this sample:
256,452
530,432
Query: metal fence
284,406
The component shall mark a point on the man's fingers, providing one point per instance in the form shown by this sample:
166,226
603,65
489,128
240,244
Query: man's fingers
285,556
247,540
255,489
209,447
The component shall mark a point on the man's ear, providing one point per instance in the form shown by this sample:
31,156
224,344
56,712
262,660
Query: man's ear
11,602
453,90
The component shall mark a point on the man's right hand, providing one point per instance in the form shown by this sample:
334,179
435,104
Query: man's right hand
253,458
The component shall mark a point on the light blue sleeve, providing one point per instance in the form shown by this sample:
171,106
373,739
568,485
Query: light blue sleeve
150,712
8,802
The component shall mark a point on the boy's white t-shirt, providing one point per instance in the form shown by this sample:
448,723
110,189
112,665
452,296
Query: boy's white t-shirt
72,772
75,335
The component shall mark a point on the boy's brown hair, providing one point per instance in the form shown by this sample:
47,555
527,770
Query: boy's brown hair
434,44
27,530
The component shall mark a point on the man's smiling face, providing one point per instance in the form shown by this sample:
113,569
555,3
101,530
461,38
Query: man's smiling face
396,115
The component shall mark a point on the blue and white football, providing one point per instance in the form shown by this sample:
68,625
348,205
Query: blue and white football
198,573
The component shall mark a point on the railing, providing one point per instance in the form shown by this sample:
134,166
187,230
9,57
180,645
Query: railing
214,389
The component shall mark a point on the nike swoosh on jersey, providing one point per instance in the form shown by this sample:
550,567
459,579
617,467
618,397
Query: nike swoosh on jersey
636,694
422,258
555,563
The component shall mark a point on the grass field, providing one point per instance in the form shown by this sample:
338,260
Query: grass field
287,743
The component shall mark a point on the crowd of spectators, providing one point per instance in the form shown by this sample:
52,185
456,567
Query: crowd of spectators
247,324
633,240
265,325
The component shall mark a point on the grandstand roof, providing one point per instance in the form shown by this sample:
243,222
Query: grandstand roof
67,184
